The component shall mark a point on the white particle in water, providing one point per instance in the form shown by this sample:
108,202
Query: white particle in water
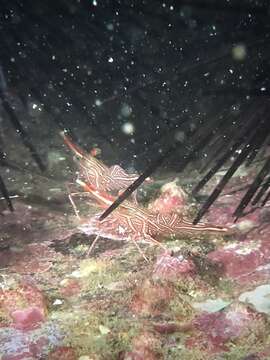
180,136
110,27
239,52
128,128
126,110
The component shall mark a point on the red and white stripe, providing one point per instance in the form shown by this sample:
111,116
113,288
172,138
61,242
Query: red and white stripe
130,221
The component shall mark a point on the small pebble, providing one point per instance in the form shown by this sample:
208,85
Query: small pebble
57,302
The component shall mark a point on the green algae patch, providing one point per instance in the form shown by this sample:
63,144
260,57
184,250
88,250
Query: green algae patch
226,287
180,308
105,334
243,347
95,274
92,266
179,352
97,284
185,293
255,340
237,353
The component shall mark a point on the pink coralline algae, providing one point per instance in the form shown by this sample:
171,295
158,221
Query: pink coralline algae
23,307
248,258
22,345
62,353
221,213
143,347
71,288
27,319
170,328
151,299
22,356
216,329
34,258
172,199
171,268
34,344
238,260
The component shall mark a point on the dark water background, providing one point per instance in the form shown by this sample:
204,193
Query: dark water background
155,69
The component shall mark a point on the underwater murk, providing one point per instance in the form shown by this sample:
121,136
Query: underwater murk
142,284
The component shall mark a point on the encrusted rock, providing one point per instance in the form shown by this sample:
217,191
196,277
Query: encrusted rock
172,268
